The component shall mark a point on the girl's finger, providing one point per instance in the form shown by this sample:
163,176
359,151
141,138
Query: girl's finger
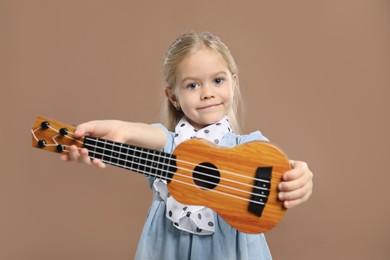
99,163
297,170
288,204
74,154
84,157
296,193
65,157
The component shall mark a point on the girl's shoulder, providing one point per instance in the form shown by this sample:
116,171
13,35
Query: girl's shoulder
169,146
232,139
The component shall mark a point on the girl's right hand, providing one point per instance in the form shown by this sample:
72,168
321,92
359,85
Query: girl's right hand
139,134
113,130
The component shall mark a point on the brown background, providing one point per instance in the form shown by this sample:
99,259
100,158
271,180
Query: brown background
315,77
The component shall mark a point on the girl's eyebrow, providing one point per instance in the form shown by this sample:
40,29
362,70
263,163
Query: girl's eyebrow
196,78
221,72
190,78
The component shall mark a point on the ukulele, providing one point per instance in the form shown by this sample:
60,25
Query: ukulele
239,183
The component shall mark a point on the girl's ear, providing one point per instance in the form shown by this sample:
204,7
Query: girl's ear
235,84
235,80
172,98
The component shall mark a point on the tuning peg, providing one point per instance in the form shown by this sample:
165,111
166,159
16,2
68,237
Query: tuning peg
60,148
45,125
63,131
41,143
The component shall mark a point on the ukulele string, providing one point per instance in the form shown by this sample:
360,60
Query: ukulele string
192,185
33,134
137,163
159,176
156,175
54,137
119,146
133,168
186,183
36,138
115,144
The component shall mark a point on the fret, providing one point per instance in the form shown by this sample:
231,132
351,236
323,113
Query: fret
115,153
136,160
153,164
122,155
98,149
90,144
158,165
161,159
141,167
129,157
172,167
149,161
165,168
107,152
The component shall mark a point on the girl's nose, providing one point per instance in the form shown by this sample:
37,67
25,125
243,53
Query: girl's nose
207,92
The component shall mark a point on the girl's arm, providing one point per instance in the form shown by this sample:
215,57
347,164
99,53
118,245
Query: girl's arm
297,185
138,134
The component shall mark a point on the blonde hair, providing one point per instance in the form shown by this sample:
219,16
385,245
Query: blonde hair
185,45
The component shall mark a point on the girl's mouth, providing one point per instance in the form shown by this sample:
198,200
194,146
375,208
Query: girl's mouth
209,106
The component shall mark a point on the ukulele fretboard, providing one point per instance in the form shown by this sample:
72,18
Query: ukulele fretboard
137,159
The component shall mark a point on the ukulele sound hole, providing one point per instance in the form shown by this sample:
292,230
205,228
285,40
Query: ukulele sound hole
206,176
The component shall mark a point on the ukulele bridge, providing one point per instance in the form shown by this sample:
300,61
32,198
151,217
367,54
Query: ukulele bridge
261,190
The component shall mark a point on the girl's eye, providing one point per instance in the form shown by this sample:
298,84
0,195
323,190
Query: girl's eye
218,81
192,86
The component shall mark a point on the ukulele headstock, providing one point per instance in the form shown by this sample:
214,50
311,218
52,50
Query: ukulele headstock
53,136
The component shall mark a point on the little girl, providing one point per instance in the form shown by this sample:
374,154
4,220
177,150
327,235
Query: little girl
202,98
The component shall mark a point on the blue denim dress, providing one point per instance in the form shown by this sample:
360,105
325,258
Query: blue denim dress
160,240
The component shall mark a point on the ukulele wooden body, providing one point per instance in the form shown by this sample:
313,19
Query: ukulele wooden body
232,194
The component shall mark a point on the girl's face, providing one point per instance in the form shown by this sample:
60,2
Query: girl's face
204,88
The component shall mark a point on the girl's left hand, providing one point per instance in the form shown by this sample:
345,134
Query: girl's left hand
297,184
